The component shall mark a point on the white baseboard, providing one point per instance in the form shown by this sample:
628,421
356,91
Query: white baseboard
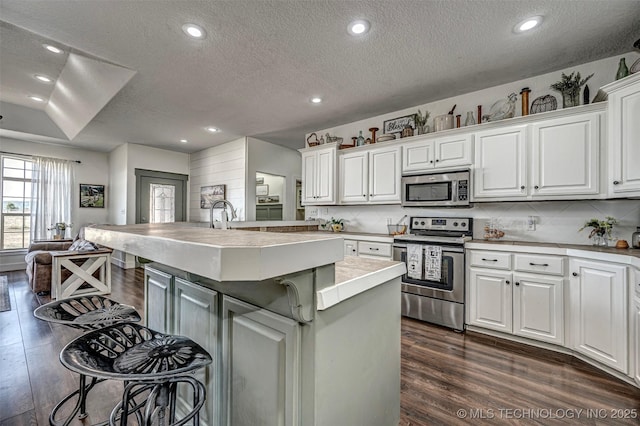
14,266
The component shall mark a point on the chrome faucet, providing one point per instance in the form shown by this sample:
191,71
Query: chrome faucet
224,213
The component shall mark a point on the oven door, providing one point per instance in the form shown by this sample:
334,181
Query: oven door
451,284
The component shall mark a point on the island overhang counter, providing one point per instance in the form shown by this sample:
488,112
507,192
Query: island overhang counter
299,334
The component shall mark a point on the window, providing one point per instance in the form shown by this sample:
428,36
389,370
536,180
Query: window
162,203
15,193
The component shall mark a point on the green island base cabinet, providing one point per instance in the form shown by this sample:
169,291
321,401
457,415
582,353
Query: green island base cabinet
571,299
270,369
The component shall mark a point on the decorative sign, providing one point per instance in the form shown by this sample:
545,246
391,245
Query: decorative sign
91,195
209,194
397,124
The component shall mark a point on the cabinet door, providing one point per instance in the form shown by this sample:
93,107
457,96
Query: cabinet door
309,177
158,300
350,248
354,177
418,156
326,166
500,163
538,308
384,175
599,311
624,140
636,321
490,303
454,151
565,156
261,362
196,316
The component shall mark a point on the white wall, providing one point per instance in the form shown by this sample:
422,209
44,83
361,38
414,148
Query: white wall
94,169
604,72
118,185
556,221
221,164
276,160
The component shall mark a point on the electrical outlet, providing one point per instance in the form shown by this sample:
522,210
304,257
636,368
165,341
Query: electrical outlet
312,212
324,210
531,223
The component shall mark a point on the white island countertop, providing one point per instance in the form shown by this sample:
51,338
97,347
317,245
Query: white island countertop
222,255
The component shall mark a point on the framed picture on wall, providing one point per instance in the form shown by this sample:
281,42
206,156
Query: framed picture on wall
91,195
262,189
210,194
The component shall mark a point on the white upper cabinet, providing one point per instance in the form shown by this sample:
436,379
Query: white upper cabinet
371,176
500,163
565,156
624,136
318,173
424,155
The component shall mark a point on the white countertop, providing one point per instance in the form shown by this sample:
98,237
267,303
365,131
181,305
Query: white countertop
608,254
355,275
222,255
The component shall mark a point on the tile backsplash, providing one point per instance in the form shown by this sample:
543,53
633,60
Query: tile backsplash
555,221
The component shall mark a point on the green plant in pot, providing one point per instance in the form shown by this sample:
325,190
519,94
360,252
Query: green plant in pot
335,225
600,230
570,86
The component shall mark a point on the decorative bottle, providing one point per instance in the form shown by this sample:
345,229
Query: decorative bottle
470,121
623,71
360,139
635,239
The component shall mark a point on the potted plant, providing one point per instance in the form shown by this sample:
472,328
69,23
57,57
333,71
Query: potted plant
421,122
570,86
335,225
600,230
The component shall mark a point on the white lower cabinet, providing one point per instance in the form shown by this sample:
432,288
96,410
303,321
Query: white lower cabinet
350,248
523,304
636,322
599,311
359,246
261,359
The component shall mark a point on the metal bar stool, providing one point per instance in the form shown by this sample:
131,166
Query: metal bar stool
145,360
85,313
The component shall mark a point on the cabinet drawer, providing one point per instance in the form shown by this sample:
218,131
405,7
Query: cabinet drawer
490,259
366,248
539,264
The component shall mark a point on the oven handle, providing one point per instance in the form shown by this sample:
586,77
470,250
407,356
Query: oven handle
445,248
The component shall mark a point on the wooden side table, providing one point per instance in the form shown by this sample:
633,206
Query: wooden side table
81,273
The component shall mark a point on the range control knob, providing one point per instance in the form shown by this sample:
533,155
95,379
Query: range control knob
422,223
455,223
415,223
463,224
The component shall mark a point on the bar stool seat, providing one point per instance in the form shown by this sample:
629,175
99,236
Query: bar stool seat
145,360
85,313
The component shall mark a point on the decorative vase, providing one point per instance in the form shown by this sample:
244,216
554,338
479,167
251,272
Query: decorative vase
623,71
571,98
600,240
423,130
360,140
470,121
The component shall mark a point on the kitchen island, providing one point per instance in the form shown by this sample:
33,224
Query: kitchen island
299,336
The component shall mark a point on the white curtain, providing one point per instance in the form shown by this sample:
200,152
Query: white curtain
51,194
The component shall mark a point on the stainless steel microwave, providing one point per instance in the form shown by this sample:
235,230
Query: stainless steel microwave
440,189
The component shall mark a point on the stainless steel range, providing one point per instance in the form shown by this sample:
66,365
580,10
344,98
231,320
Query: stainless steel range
433,287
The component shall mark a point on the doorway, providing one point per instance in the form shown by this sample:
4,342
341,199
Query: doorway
161,197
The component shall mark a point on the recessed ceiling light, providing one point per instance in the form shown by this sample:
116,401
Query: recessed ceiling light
52,48
194,31
316,100
358,27
212,129
36,98
528,24
43,78
183,140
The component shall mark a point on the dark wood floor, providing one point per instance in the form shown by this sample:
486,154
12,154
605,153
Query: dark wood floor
448,378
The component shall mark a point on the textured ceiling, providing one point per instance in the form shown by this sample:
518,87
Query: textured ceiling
262,60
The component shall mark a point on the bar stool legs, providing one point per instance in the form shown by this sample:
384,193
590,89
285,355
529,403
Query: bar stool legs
160,405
